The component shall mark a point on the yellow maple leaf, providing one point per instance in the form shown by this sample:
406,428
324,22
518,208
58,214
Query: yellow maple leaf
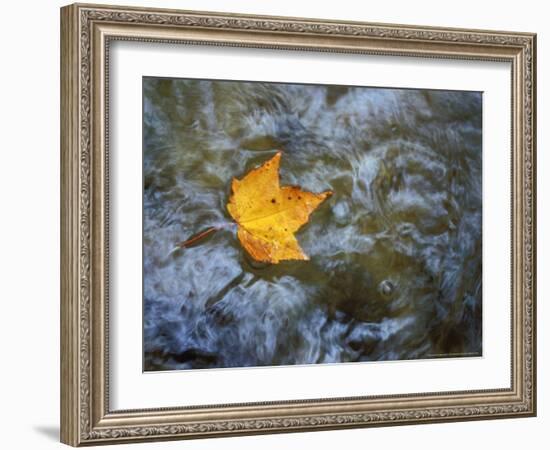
268,215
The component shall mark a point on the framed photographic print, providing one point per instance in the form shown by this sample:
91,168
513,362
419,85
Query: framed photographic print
276,224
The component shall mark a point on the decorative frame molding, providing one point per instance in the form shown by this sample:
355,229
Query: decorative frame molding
86,31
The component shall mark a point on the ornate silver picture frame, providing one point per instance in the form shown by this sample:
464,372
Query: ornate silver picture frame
87,34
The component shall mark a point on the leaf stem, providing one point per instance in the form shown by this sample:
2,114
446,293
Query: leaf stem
197,237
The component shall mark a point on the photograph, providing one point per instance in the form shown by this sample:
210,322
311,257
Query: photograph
289,224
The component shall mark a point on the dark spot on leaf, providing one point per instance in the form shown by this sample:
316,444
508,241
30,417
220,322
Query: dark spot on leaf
289,198
272,200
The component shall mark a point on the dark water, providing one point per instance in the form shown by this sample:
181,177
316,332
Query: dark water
395,268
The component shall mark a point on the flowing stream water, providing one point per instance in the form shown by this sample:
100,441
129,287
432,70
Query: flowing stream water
395,253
